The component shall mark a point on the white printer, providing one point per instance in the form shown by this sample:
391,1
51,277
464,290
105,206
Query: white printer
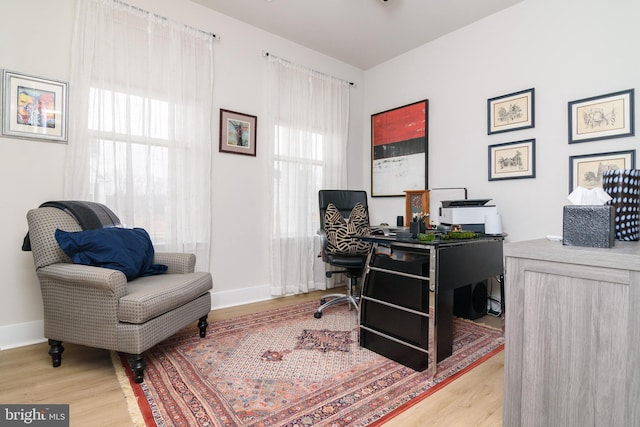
469,214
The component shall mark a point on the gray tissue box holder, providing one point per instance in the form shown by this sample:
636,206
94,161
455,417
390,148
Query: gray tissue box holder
589,225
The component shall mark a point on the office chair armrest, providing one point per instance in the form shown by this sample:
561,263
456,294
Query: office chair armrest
323,244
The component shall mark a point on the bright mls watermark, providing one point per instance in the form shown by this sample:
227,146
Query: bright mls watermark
34,415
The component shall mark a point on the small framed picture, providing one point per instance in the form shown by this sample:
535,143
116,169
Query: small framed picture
586,170
514,111
601,117
34,107
238,132
512,160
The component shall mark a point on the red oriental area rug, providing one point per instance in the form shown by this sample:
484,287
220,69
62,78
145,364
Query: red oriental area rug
285,368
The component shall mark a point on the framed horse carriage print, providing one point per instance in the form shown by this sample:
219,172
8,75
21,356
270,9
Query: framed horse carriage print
510,112
586,170
601,117
512,160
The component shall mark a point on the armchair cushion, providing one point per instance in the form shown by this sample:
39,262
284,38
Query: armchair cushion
343,235
150,297
128,250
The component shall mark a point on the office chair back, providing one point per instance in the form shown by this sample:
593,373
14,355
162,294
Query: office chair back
343,200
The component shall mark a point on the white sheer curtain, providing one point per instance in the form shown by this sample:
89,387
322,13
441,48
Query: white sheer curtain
308,130
140,123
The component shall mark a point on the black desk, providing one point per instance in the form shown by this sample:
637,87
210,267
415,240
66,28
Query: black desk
406,306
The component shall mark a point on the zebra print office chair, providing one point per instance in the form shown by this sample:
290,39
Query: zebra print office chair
340,250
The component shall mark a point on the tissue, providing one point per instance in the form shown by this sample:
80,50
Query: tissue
588,222
586,196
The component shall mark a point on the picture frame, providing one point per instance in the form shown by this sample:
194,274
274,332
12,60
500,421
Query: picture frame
34,107
586,170
238,132
399,149
602,117
512,160
514,111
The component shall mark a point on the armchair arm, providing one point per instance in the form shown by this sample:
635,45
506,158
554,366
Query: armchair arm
178,262
77,275
81,303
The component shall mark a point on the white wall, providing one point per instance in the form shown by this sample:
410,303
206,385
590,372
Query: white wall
35,38
30,171
566,50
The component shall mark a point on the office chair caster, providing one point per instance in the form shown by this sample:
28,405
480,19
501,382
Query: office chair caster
318,314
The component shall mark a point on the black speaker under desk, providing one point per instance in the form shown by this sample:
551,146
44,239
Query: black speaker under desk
470,301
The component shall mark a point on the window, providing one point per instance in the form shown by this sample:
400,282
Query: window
298,163
140,135
131,135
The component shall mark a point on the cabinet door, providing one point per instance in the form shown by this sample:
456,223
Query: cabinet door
566,344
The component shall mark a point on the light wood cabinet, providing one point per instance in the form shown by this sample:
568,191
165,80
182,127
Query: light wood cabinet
572,335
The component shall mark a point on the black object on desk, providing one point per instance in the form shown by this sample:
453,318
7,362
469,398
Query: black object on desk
407,294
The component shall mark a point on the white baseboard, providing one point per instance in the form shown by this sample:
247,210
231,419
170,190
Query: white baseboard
21,334
235,297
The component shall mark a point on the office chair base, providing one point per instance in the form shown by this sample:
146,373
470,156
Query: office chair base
337,299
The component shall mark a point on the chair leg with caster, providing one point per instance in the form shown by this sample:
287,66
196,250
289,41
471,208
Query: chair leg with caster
349,298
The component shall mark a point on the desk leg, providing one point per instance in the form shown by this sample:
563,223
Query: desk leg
444,324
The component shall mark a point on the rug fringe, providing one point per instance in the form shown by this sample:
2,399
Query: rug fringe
127,390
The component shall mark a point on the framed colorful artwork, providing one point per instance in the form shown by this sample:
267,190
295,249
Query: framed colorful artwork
514,111
602,117
512,160
238,132
34,107
586,170
399,150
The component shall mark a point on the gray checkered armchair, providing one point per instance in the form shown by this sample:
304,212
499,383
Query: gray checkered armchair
97,307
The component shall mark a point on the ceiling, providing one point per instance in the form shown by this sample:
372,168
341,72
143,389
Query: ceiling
363,33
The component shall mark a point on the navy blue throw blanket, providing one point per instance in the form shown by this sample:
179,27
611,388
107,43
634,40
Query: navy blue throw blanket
90,216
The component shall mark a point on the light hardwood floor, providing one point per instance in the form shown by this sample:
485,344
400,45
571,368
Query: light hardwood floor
87,381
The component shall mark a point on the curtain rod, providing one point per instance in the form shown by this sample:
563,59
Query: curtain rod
215,36
265,54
